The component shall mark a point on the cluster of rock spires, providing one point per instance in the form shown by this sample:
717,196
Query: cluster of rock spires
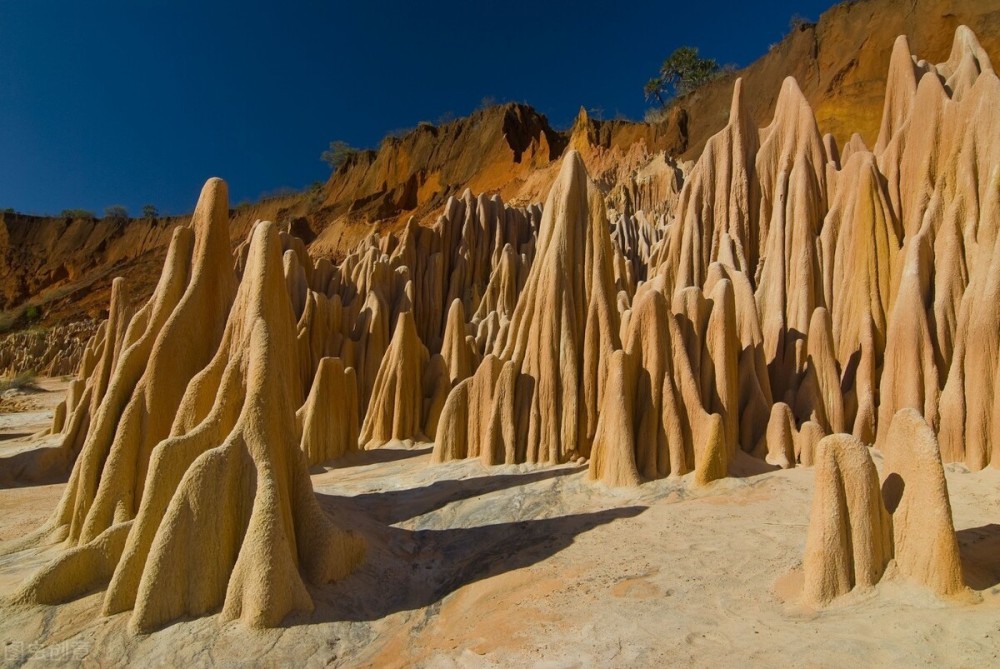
799,303
189,491
56,351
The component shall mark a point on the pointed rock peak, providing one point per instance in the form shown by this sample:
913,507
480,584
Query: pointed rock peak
832,152
930,89
405,333
263,292
396,408
965,48
901,80
792,135
567,203
901,54
454,329
213,281
210,222
573,168
792,104
456,352
967,61
855,145
793,130
737,109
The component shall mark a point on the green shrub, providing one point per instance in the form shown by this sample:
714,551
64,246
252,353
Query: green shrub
77,213
337,154
681,73
116,212
21,381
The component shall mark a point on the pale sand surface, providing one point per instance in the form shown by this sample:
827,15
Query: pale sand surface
515,566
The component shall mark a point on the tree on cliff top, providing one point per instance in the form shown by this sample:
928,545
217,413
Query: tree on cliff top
682,72
116,212
337,154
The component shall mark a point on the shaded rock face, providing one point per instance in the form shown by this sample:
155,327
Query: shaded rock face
64,268
417,172
849,542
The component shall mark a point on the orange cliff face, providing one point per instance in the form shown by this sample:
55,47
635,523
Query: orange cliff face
65,266
509,150
839,63
414,175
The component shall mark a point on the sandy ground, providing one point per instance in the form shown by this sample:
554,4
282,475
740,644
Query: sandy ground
514,566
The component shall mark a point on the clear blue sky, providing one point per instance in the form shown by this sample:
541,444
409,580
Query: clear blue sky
136,101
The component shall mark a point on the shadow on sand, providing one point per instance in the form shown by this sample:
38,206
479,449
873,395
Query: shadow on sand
979,548
407,570
394,506
375,456
42,465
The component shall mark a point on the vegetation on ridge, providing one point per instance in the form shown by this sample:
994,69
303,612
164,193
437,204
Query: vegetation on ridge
681,73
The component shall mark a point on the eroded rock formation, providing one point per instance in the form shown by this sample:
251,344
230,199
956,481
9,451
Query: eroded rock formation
849,542
786,303
190,492
858,528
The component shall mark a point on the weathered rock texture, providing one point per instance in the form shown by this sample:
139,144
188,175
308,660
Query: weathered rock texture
839,63
916,494
795,291
541,405
849,542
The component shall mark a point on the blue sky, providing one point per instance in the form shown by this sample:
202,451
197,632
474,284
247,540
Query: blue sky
139,101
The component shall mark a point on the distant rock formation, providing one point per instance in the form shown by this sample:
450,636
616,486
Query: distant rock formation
55,351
